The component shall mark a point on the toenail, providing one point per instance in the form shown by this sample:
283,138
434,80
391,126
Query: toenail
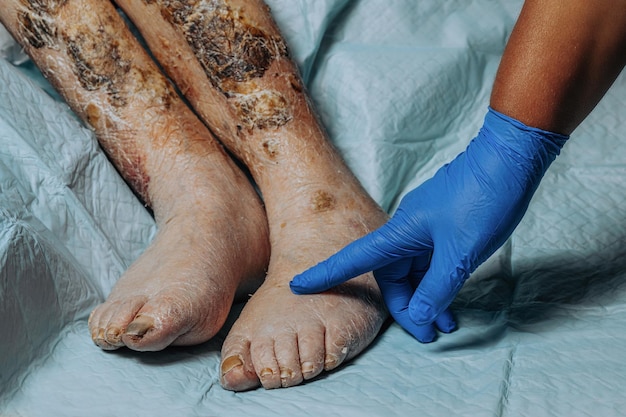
308,367
286,377
286,373
99,335
265,372
139,326
113,335
331,362
231,363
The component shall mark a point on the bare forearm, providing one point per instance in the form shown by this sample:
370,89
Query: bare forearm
560,60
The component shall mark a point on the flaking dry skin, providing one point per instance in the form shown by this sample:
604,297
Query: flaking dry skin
233,54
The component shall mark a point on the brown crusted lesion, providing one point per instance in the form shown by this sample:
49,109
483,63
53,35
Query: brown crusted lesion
233,53
101,62
323,201
270,147
230,50
98,61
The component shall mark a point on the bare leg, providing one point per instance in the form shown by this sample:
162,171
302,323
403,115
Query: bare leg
212,235
230,61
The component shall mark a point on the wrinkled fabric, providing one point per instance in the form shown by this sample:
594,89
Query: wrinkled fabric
401,87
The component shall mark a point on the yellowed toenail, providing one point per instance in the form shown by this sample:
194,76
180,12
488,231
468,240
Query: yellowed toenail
113,335
231,363
331,362
308,367
286,373
266,372
140,326
99,334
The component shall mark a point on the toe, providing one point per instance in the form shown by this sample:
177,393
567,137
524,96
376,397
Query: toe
288,358
159,322
311,349
236,370
97,322
265,364
337,350
146,334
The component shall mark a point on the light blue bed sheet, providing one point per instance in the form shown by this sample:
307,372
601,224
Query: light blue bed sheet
402,86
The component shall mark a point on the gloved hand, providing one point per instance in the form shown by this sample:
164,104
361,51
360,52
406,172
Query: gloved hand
446,227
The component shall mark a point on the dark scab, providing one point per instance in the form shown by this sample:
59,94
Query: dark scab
323,201
98,63
230,50
270,149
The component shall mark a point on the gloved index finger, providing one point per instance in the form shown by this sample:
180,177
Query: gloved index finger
372,251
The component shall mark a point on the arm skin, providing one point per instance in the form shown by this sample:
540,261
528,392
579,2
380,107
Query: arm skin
559,62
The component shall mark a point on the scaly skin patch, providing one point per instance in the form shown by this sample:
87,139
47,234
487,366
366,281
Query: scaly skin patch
233,53
98,63
38,31
45,6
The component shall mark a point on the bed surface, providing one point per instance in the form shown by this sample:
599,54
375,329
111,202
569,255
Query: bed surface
402,87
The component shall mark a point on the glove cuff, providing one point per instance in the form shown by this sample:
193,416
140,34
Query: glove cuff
512,128
531,147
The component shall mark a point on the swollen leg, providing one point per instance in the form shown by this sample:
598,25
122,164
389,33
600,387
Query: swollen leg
212,234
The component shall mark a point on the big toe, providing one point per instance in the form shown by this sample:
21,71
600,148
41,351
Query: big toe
236,370
164,322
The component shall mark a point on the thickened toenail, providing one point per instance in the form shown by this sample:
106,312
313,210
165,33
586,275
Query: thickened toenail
331,362
308,367
98,335
265,372
112,335
286,377
139,326
231,363
286,373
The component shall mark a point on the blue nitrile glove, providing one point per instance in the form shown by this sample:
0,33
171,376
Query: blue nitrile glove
446,227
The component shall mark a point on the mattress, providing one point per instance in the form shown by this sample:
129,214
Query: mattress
402,87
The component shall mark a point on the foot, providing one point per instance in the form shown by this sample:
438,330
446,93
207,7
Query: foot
181,289
282,339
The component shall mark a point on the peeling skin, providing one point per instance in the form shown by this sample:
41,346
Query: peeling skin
37,31
230,50
37,28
